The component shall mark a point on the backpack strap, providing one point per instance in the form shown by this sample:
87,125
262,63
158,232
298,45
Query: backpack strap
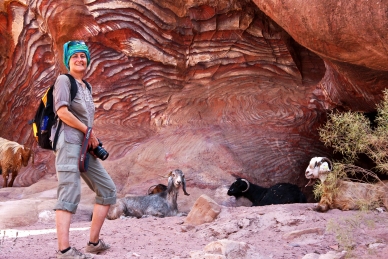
73,93
73,87
87,85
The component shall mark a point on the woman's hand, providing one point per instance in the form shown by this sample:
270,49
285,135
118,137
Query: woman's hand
93,141
67,117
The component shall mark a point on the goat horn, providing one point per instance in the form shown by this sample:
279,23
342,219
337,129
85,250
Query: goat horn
246,183
330,164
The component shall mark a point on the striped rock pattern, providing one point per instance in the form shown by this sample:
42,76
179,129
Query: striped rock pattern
215,88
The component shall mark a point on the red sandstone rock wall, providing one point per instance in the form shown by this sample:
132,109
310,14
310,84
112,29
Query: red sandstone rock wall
215,88
351,38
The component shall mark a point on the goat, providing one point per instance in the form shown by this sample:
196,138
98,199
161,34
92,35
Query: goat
154,189
281,193
343,194
12,157
163,204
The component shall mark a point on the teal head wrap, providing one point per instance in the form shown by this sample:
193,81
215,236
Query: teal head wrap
72,47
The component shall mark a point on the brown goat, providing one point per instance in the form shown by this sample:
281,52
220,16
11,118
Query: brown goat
348,195
12,157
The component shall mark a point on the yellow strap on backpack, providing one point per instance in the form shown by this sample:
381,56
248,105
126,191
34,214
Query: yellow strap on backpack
35,130
44,98
34,127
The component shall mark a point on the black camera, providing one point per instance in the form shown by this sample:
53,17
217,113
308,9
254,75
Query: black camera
100,152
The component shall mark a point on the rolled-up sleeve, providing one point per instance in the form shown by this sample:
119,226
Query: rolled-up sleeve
61,92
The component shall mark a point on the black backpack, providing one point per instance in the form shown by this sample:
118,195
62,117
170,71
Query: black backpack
45,117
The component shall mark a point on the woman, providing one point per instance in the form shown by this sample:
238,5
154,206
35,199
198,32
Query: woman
77,116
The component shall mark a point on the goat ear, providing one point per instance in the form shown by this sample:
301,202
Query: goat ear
184,187
27,152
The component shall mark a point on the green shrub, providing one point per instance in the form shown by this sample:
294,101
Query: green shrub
350,133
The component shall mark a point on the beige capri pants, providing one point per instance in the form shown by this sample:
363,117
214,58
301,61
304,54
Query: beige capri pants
69,178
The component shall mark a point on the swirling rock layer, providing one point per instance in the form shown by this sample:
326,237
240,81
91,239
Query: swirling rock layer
215,88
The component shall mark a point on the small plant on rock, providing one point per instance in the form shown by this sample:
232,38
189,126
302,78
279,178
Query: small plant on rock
344,228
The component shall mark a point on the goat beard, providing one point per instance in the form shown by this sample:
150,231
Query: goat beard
311,182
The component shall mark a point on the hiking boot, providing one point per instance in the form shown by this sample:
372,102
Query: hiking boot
100,247
73,253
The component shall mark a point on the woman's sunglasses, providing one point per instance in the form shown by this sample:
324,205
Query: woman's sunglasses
76,42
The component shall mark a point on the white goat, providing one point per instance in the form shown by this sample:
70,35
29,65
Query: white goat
163,204
12,157
346,195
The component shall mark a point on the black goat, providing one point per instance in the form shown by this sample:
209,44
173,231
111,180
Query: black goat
280,193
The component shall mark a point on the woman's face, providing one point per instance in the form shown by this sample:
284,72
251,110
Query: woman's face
78,62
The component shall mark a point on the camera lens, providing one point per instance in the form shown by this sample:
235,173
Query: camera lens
101,153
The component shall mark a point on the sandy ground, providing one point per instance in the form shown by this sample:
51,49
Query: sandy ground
276,231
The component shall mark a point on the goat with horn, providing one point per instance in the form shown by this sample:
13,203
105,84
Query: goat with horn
163,204
343,193
281,193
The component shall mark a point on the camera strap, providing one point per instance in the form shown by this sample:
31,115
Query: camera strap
83,161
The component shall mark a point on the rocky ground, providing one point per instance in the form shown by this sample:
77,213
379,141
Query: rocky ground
276,231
